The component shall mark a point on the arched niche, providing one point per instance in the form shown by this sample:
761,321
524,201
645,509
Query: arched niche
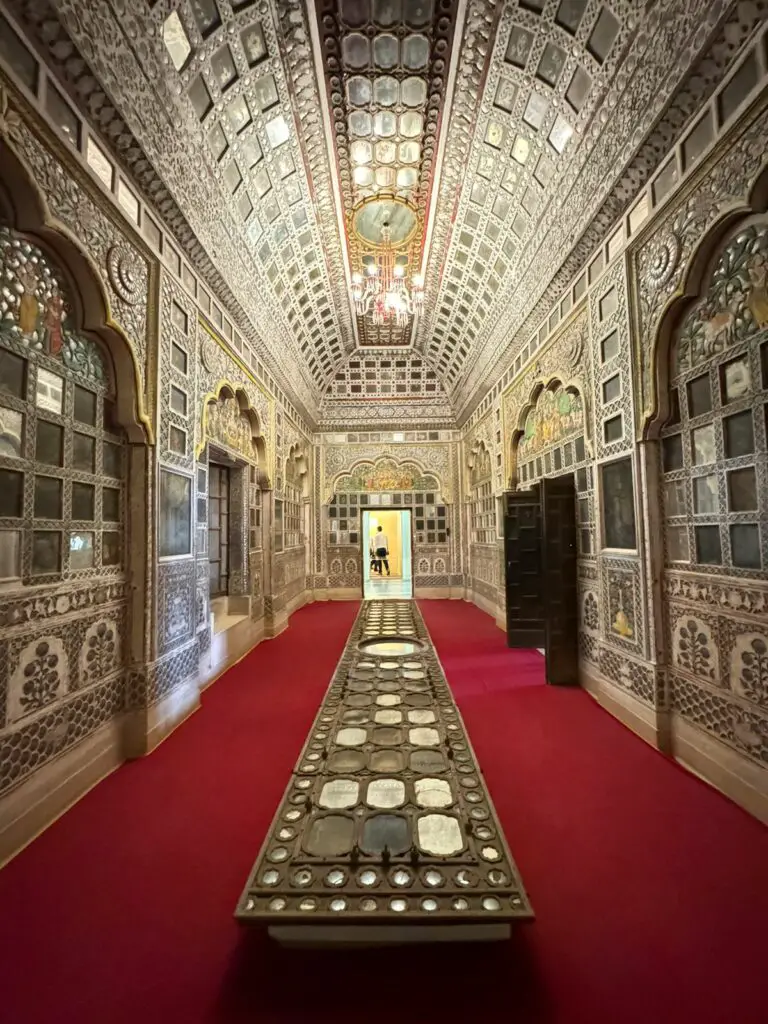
479,464
554,414
692,294
385,474
229,420
712,418
297,470
24,211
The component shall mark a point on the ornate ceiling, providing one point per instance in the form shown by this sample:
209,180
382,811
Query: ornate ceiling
500,139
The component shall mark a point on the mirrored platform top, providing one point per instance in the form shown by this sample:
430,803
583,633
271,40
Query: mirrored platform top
386,816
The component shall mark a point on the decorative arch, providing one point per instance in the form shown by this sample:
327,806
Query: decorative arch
386,474
229,419
554,412
479,463
297,469
699,300
23,208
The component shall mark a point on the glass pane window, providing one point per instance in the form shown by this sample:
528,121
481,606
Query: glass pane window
85,406
10,554
745,545
111,459
11,493
110,548
738,434
46,552
50,391
11,433
83,449
49,447
705,499
81,551
735,380
110,505
48,491
677,543
672,451
13,373
703,445
699,397
708,551
742,490
83,501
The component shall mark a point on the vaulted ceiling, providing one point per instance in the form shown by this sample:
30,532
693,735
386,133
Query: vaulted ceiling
495,142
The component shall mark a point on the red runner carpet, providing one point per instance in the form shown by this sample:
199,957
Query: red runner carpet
651,890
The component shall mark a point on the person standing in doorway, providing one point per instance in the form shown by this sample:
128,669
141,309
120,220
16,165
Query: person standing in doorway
382,549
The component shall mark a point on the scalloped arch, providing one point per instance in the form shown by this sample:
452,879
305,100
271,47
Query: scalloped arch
696,276
227,390
24,208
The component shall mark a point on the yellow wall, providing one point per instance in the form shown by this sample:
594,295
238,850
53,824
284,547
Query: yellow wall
390,524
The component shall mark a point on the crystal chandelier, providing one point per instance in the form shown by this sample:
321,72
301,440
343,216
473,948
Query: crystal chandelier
382,290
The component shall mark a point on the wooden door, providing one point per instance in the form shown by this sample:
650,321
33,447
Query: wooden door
558,575
526,611
218,529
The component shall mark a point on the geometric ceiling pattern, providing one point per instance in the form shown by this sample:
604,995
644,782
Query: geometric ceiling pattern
514,131
386,67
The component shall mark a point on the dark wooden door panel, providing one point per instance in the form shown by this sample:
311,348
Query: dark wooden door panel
522,557
558,502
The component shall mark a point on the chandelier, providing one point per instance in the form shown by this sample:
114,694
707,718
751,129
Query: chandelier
382,289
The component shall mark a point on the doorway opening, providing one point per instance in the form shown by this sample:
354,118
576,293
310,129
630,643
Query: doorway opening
218,530
541,587
390,529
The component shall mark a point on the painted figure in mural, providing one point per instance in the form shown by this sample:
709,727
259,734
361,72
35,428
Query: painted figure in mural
758,295
55,313
555,416
718,328
29,308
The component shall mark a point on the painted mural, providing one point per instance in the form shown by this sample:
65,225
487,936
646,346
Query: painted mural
34,310
557,415
386,475
480,468
736,303
229,425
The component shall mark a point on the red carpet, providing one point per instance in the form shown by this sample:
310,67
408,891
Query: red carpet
651,891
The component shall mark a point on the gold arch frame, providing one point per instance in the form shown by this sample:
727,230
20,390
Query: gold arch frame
24,205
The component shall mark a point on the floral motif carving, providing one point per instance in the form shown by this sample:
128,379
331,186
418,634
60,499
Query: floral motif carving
663,260
100,652
40,677
591,612
749,667
127,273
694,649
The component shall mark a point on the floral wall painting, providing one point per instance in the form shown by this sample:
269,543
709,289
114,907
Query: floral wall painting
557,415
386,475
735,305
34,310
175,526
618,502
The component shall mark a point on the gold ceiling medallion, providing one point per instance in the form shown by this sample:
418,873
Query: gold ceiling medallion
384,226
